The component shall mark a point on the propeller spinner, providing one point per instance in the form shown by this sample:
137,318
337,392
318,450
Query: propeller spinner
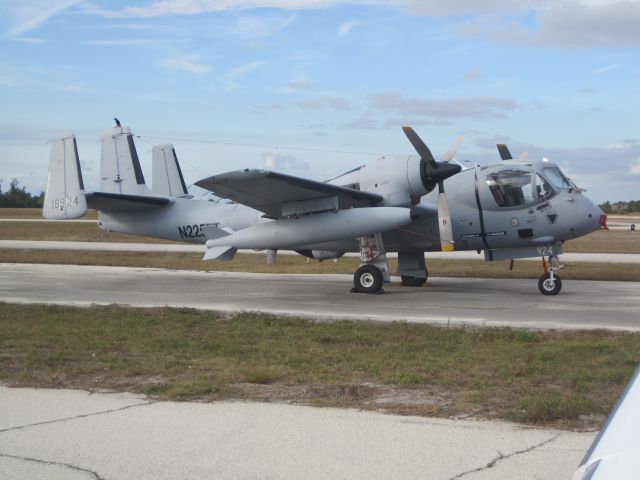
435,173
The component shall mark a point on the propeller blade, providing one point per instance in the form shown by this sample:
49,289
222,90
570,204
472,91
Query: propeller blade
420,146
453,149
444,222
505,154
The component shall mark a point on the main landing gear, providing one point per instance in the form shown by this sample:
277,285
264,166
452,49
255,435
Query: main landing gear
412,269
549,282
373,270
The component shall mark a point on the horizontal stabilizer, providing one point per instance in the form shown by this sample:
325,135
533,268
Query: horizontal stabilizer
220,253
118,202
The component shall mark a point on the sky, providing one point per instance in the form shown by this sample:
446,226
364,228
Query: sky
316,87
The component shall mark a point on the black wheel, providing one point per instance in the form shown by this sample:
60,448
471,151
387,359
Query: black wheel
367,279
548,287
408,281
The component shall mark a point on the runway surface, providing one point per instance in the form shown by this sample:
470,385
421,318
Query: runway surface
470,301
628,258
74,435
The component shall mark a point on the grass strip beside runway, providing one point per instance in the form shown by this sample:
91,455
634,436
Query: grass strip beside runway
559,378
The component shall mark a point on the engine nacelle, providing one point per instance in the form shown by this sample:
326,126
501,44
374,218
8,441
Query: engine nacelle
321,254
399,179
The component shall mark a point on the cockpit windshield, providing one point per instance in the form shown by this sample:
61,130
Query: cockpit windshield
520,187
556,178
511,187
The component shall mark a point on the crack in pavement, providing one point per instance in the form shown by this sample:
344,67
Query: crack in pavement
501,457
93,473
85,415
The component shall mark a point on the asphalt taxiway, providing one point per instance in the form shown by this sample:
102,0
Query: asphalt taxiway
469,301
75,435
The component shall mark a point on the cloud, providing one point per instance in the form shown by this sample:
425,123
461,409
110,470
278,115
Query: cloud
262,26
230,78
26,15
366,121
194,7
283,162
346,27
188,63
124,42
604,168
472,74
459,107
325,101
568,24
30,40
443,8
608,68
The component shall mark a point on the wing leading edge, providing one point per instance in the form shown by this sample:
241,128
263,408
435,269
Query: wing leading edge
276,194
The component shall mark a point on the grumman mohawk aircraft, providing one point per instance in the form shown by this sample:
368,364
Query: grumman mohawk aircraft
513,209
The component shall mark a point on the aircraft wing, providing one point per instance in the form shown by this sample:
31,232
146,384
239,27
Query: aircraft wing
614,452
113,202
278,195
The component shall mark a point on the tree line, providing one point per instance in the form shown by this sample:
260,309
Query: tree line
621,207
17,197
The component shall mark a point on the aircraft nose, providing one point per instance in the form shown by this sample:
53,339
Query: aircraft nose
597,220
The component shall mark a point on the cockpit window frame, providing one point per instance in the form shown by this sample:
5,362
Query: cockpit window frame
514,195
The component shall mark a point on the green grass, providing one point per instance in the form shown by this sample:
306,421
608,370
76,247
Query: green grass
566,379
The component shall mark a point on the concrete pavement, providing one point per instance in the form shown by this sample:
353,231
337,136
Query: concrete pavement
70,434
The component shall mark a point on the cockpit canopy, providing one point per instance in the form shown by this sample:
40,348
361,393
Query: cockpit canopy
522,185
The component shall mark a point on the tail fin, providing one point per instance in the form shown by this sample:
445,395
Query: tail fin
64,197
167,175
120,170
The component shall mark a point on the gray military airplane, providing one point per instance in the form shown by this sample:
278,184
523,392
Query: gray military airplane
514,209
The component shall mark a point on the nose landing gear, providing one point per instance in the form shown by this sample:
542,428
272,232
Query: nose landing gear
549,282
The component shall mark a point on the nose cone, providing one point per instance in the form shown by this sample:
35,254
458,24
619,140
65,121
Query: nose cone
588,216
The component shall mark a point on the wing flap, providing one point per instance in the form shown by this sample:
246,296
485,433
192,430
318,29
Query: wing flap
268,191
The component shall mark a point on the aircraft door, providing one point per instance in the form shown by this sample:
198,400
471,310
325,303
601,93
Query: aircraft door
506,200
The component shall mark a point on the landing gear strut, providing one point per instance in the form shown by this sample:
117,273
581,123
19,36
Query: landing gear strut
373,270
549,282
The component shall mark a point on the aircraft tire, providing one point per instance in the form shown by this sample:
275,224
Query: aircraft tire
408,281
367,279
546,287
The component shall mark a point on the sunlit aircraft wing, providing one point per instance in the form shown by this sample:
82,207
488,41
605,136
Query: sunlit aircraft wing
276,193
614,453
